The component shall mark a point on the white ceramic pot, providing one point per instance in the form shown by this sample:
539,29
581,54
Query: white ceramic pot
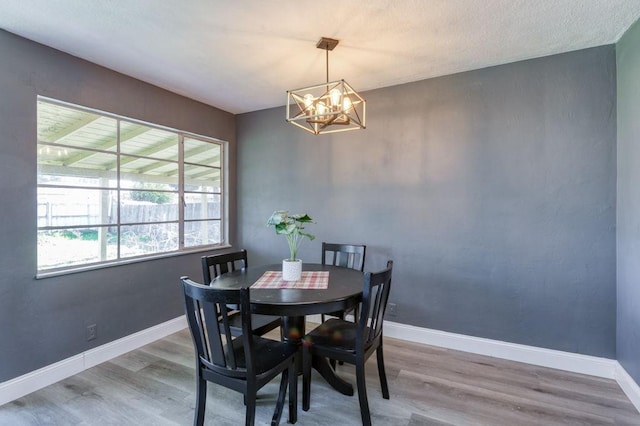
291,269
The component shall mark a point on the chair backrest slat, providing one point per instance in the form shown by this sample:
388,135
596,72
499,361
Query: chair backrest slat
214,348
194,320
345,255
374,301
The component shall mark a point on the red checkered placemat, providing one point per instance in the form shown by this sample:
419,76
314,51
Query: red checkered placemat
311,280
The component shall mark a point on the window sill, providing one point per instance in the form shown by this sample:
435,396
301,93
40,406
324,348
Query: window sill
80,268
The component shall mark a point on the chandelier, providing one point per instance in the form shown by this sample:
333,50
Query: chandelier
326,107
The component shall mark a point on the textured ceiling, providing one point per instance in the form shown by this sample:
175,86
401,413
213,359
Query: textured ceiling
243,55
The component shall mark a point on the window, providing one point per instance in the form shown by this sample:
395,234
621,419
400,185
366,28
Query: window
112,189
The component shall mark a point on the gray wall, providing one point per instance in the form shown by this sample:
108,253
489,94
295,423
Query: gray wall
628,212
44,321
493,191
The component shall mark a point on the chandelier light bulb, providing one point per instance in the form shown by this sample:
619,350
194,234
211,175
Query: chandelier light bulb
321,108
308,101
346,104
335,95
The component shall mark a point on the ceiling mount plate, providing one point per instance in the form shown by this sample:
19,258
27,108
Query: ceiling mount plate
327,43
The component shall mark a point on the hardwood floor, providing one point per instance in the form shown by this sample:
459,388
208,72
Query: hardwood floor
154,385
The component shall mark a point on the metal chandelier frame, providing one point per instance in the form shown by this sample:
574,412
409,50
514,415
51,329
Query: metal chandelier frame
330,107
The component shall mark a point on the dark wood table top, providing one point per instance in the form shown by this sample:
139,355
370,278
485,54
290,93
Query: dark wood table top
344,291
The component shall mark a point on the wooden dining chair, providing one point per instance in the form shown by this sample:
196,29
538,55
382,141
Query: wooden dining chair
352,343
217,264
231,361
345,255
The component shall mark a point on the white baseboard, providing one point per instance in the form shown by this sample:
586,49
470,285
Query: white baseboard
317,319
584,364
38,379
628,385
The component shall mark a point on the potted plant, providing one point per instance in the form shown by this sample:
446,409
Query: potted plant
292,227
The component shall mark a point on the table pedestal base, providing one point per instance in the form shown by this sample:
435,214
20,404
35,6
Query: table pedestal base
293,330
322,366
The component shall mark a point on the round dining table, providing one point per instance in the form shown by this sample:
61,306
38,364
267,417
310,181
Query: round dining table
293,304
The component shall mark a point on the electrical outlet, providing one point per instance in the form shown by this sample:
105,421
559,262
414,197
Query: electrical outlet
392,309
92,332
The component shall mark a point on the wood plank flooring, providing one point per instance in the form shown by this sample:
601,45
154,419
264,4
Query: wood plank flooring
154,385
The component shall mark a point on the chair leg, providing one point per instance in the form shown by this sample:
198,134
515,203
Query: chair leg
382,373
250,417
306,378
280,402
201,401
293,391
342,316
362,393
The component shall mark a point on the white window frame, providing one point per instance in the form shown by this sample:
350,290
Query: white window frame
181,134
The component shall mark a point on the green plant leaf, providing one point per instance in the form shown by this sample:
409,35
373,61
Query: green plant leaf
303,218
309,236
278,217
282,228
